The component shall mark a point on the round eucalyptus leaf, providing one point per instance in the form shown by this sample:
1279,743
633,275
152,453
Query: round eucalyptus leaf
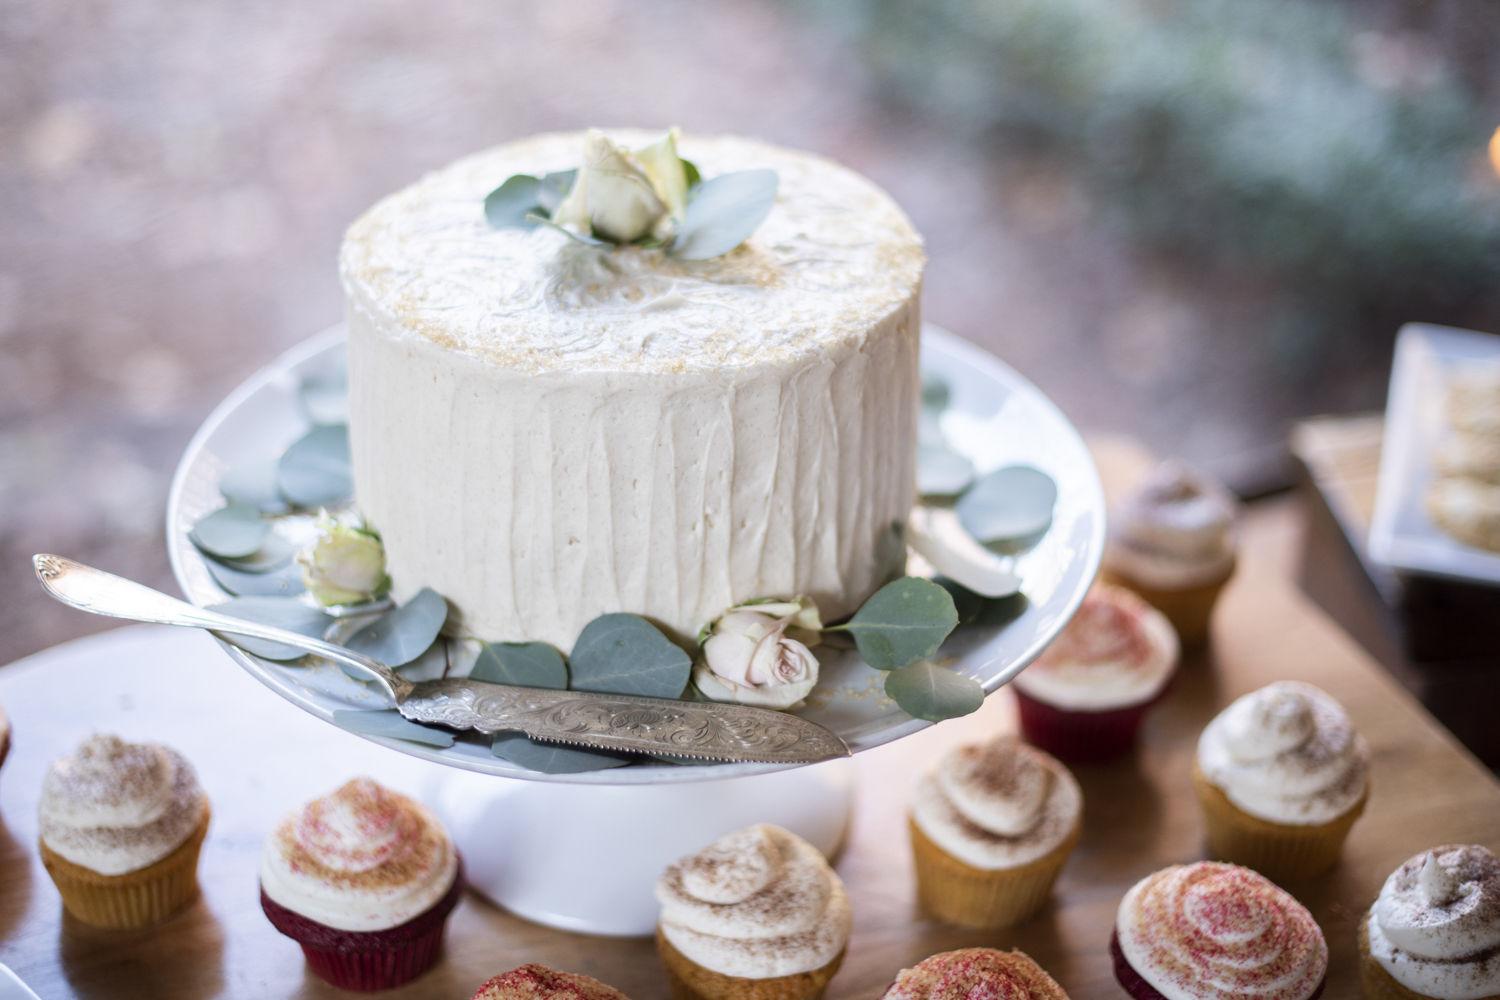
391,724
942,472
905,621
555,187
281,612
977,610
325,402
553,758
233,531
935,392
284,582
926,691
524,664
315,470
276,554
507,206
1008,505
724,212
429,666
626,654
404,634
253,483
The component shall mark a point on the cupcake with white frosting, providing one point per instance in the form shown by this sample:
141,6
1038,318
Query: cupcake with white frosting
363,879
537,982
974,974
992,824
1434,931
1084,697
121,826
1211,931
756,915
1173,542
1282,776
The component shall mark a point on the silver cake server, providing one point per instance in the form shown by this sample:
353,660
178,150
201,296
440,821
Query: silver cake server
709,730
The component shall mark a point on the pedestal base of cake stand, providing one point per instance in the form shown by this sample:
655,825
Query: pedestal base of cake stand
586,858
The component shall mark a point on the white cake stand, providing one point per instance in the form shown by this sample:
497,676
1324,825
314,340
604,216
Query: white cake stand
581,852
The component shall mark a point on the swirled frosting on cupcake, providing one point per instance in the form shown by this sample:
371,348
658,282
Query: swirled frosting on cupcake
975,974
361,859
1116,652
758,903
1286,753
1211,931
997,804
537,982
116,807
1176,531
1436,925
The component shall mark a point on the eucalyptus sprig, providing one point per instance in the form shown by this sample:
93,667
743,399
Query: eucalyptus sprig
650,197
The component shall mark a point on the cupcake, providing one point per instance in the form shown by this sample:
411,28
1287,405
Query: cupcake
363,879
121,825
537,982
975,974
1434,932
1084,697
1173,542
1211,931
756,915
1282,776
991,826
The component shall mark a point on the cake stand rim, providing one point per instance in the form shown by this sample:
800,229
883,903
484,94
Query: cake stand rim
180,552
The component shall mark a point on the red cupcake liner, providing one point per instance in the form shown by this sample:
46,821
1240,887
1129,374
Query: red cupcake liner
1137,986
368,961
1079,737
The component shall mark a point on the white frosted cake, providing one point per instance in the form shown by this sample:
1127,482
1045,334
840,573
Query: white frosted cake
544,432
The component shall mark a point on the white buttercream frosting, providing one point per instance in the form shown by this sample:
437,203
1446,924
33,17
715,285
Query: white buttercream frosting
1436,924
758,903
1286,753
545,432
1176,531
1118,651
116,807
997,804
363,858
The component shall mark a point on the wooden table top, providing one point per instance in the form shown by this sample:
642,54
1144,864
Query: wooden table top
1139,815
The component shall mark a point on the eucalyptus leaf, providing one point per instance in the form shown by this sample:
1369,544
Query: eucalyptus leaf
253,482
276,554
524,664
927,691
283,582
430,666
942,472
547,223
390,723
905,621
555,187
325,402
281,612
551,758
691,174
404,634
510,204
724,212
626,654
1013,504
977,611
233,531
315,470
935,392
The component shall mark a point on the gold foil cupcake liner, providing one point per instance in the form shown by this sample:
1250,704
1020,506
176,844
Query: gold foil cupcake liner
958,893
687,980
134,899
1279,851
1189,610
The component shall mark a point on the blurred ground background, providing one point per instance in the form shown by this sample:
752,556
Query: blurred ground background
1096,184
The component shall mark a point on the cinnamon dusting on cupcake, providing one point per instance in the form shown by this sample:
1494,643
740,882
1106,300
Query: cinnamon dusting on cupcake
537,982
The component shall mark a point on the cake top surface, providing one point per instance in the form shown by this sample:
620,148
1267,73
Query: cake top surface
835,256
